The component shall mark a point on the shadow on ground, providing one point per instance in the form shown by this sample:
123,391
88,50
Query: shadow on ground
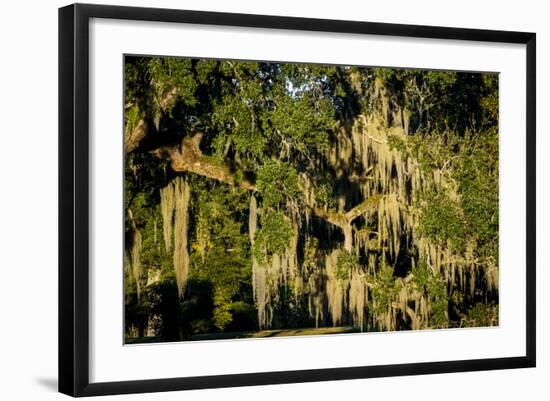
47,382
255,334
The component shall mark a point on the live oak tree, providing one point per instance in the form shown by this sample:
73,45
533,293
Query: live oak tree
271,195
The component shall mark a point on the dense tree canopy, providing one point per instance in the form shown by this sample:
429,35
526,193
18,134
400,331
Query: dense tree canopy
270,195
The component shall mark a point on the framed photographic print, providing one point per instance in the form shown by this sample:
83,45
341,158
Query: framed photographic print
249,199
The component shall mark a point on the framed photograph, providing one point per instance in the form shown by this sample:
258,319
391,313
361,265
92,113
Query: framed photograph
251,199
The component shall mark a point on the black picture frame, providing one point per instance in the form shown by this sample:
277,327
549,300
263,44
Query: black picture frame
74,194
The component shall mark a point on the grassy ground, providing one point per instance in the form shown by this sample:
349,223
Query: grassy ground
310,331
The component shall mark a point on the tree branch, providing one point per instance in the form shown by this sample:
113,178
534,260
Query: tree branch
365,206
188,158
133,137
